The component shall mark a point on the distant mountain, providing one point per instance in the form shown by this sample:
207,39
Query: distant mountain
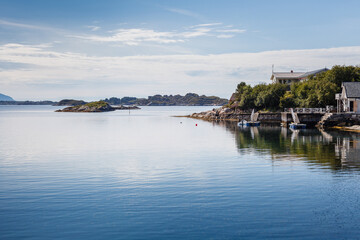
5,98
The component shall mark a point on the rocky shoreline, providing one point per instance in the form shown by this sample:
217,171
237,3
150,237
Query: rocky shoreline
216,114
236,115
345,122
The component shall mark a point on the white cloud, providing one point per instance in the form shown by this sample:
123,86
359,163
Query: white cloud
198,32
135,36
231,30
207,25
67,74
93,28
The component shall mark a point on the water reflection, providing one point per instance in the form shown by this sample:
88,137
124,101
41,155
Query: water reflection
334,150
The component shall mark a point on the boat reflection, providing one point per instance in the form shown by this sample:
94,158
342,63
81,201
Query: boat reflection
334,150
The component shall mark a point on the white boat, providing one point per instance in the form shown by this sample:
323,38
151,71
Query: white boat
296,124
242,123
253,120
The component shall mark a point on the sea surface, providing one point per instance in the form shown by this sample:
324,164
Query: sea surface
144,174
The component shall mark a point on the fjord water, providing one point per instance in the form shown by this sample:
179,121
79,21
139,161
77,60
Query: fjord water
147,175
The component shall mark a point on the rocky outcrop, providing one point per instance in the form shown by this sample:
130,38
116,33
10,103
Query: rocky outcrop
218,114
229,114
340,119
99,106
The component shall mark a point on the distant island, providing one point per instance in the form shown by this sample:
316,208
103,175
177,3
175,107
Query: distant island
190,99
99,106
70,102
27,103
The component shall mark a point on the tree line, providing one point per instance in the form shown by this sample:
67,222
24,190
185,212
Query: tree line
317,91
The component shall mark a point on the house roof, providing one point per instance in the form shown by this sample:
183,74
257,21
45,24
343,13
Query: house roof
352,89
296,75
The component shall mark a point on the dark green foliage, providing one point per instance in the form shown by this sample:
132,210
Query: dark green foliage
96,104
317,91
339,74
288,100
261,96
268,97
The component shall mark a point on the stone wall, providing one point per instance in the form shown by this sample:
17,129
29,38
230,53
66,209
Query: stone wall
228,114
342,119
310,119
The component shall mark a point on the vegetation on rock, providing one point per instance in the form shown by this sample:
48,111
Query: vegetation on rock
99,106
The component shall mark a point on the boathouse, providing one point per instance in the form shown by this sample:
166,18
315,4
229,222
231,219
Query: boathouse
293,77
349,99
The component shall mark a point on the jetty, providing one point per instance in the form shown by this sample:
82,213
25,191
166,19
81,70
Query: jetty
312,117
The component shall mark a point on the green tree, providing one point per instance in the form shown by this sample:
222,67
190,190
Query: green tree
288,100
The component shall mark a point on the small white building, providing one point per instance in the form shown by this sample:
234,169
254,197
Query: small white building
349,98
293,77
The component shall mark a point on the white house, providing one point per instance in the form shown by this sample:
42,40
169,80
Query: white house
349,98
293,77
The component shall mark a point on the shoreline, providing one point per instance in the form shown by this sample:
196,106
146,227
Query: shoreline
281,118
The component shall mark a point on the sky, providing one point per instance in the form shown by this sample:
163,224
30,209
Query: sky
90,49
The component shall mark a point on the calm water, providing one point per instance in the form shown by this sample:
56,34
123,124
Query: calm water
146,175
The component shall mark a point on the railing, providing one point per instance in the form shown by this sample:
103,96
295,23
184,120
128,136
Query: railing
306,110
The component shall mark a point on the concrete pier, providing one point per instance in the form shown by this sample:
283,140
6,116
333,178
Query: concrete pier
310,119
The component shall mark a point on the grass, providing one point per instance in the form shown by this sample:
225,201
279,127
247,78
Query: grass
96,104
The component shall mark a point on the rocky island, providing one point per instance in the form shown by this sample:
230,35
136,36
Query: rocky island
99,106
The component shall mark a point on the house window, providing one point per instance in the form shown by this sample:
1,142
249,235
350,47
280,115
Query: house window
351,106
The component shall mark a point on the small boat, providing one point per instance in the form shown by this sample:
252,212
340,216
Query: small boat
253,120
242,123
252,124
297,125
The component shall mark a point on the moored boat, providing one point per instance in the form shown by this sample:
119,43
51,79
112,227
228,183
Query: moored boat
298,125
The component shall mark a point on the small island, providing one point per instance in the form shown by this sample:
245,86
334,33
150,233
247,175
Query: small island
99,106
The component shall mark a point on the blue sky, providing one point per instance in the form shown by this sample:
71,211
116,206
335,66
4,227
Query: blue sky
97,49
